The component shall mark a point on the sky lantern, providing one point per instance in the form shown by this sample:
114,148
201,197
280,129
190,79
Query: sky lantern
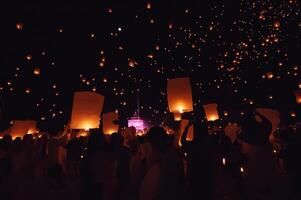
269,75
177,116
36,71
293,114
277,24
86,110
149,6
19,26
132,63
27,90
224,161
29,57
211,112
298,96
179,95
183,124
272,115
108,123
21,128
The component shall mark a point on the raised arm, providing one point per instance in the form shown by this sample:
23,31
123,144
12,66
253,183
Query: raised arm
183,138
266,125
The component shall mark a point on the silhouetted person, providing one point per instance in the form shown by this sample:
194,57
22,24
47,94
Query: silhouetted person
171,182
199,155
6,165
292,161
122,163
256,132
149,187
260,174
98,169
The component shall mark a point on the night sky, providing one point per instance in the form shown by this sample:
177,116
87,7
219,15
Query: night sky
238,54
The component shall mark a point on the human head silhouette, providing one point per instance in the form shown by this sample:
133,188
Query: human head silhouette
157,137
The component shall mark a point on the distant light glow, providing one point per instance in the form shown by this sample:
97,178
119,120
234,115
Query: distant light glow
137,123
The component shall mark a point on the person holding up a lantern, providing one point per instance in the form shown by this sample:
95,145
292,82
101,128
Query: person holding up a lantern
260,173
200,161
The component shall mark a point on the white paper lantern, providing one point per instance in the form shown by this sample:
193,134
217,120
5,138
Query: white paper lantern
179,95
86,111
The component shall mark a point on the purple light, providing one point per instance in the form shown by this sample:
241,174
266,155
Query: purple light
137,123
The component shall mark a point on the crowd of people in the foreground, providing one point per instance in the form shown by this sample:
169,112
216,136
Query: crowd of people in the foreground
154,167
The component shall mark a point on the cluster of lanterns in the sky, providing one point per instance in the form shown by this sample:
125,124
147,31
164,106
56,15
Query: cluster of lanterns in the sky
88,106
179,94
203,31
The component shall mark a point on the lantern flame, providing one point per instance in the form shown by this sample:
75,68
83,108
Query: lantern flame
298,96
224,161
177,116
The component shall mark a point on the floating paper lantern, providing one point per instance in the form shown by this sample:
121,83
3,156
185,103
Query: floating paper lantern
29,57
277,24
293,114
272,115
211,112
298,96
19,26
22,127
177,116
149,6
183,124
86,110
36,71
179,95
269,75
108,123
224,161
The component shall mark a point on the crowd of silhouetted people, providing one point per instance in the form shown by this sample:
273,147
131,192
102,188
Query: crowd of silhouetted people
154,166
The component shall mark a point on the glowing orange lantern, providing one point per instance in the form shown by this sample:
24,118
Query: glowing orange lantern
108,126
269,75
179,95
211,112
224,161
277,24
293,114
29,57
27,90
22,127
189,136
19,26
298,96
36,71
149,6
177,116
87,107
